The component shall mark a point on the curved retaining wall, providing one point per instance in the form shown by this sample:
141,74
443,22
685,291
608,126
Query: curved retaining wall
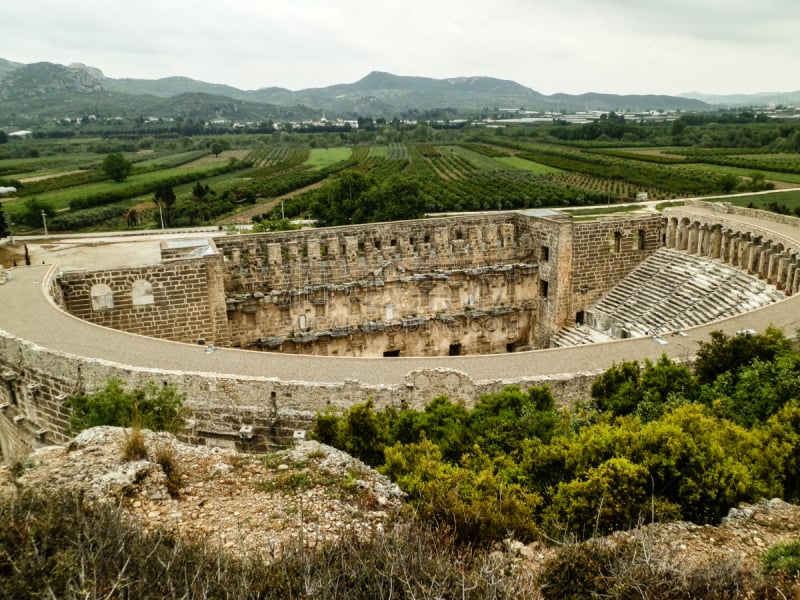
251,400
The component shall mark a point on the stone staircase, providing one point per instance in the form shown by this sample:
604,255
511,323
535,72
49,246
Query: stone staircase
669,291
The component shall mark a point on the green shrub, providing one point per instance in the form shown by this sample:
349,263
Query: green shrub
159,408
479,501
631,569
783,557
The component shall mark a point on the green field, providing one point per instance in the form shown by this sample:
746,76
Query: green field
516,162
789,199
387,173
324,157
741,172
480,161
379,151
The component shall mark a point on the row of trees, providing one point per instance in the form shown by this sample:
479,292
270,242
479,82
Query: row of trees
357,197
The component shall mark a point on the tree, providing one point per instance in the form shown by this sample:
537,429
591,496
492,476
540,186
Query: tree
617,389
117,167
31,214
678,127
219,146
164,197
729,354
4,230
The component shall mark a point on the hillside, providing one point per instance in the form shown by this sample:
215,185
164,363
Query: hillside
263,505
44,91
761,99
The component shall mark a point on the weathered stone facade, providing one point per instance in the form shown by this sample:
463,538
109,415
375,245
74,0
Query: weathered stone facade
436,287
556,266
180,300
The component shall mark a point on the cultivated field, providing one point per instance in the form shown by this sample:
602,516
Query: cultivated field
450,171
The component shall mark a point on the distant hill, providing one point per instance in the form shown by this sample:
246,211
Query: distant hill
6,66
760,99
45,91
647,102
42,91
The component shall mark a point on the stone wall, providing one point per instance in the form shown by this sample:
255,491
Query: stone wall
249,413
604,252
423,315
339,255
459,285
181,300
465,285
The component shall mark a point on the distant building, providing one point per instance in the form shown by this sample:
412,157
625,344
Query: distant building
22,133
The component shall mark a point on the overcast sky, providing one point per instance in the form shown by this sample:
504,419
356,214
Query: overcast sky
572,46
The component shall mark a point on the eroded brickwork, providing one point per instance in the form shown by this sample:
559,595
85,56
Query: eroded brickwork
477,284
604,252
180,300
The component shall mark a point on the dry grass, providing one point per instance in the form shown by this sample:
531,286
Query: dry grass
134,445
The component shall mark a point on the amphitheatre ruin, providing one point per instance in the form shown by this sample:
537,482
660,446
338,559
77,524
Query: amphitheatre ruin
262,331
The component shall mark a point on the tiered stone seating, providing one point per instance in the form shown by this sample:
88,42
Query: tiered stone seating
669,291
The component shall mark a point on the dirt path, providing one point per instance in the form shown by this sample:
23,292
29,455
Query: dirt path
51,176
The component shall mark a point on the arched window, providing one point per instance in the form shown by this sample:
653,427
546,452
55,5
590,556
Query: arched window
142,293
640,240
615,242
102,297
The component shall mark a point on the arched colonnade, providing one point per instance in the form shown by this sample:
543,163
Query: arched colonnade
752,251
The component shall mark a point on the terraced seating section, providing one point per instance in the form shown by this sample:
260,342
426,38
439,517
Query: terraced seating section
669,291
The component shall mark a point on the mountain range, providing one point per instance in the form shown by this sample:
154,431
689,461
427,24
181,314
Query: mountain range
32,93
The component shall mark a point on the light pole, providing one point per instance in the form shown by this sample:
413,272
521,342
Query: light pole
11,232
44,220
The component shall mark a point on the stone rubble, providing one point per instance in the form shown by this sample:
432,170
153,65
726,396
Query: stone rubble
243,503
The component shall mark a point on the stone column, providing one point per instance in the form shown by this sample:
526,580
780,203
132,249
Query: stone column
724,246
772,267
716,242
314,258
672,233
750,263
693,244
791,269
683,237
763,261
796,280
703,241
781,268
275,264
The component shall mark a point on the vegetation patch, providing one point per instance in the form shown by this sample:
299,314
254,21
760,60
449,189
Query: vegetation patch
325,157
516,162
657,442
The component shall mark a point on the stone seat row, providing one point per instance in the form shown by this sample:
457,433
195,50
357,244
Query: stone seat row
670,291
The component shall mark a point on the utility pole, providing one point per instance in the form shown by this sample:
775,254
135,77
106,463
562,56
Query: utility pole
44,220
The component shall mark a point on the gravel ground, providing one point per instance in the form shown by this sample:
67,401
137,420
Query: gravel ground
246,503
